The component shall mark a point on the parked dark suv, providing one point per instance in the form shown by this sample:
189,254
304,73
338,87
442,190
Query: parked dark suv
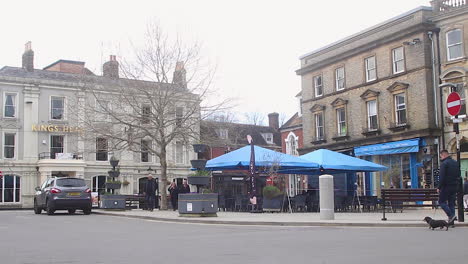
63,194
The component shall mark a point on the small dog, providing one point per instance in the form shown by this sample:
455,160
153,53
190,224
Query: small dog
436,223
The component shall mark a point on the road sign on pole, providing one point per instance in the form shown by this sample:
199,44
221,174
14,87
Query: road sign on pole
454,103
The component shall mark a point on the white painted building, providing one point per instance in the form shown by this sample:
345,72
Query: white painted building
40,136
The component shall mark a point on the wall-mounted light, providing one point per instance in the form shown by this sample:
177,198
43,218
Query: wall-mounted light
29,102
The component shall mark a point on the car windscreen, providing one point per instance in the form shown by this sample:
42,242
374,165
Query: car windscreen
71,182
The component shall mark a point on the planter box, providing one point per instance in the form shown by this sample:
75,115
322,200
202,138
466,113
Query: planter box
273,205
112,201
198,164
113,186
199,148
198,204
198,180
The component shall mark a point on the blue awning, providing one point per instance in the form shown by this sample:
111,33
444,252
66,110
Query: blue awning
403,146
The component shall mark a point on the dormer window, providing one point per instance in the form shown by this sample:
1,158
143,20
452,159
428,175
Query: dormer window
268,137
222,133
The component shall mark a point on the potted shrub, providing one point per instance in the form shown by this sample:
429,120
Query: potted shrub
199,177
125,182
272,199
113,184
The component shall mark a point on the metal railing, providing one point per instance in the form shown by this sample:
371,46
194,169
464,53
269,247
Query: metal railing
52,155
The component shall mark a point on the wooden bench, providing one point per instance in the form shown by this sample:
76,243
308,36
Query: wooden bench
398,198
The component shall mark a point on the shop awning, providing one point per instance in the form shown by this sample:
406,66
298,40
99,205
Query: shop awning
403,146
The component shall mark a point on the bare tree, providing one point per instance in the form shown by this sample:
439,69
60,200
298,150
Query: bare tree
157,101
255,118
225,117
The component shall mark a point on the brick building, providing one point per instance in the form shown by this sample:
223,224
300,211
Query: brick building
375,95
223,137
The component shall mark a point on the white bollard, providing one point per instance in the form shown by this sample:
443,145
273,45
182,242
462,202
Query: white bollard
327,200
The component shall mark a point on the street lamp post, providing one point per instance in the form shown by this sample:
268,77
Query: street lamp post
456,129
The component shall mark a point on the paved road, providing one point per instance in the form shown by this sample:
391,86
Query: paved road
28,238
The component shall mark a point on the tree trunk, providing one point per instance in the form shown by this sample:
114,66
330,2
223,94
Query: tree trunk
163,185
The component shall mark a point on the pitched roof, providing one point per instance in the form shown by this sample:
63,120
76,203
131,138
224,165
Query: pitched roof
237,134
294,121
16,74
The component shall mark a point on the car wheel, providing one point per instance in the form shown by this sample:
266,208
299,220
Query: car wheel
87,211
50,210
71,211
37,209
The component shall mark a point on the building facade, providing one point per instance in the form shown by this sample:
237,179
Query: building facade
42,137
451,66
291,141
371,95
222,137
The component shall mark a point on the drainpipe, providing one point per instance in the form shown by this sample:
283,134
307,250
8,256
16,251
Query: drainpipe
435,82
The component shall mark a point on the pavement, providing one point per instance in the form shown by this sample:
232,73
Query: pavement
408,218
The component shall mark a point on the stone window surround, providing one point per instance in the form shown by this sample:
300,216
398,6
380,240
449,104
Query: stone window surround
394,89
337,80
392,59
370,95
15,146
15,103
366,77
445,36
339,103
64,118
315,86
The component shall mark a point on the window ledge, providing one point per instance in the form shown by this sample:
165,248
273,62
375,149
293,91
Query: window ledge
318,141
340,137
448,62
397,127
368,133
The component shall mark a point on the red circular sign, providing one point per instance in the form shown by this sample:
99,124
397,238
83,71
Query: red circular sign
453,103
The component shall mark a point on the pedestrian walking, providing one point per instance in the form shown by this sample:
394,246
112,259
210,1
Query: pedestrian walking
173,194
150,192
448,182
465,194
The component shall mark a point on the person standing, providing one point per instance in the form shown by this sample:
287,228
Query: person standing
448,182
173,193
465,194
150,192
185,188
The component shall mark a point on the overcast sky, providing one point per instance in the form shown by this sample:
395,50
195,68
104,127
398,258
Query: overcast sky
255,44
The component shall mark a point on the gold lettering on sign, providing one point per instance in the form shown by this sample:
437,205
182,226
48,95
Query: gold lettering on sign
56,128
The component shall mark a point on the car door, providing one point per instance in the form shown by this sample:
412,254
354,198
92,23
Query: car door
44,191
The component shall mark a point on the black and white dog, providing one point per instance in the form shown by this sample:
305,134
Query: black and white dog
436,223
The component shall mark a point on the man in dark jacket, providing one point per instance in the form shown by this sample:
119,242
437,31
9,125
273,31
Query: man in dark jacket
150,192
448,183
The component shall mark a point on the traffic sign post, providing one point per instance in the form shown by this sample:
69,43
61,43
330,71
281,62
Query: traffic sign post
453,107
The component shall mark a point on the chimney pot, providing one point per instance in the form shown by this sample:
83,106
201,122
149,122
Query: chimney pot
273,120
111,68
28,57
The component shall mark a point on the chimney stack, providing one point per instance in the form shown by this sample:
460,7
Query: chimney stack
273,120
28,57
179,77
111,68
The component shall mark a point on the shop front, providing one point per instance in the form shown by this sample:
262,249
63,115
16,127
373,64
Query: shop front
401,159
